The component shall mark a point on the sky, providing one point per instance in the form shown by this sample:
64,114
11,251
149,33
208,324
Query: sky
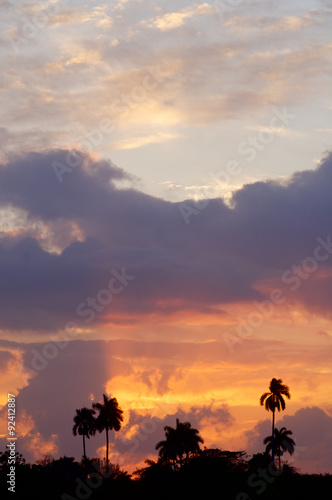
165,221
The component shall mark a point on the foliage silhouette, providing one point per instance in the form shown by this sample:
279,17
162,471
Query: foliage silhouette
211,473
154,471
180,441
282,441
183,469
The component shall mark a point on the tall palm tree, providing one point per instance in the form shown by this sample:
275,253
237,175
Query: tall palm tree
283,442
84,425
274,399
110,417
180,441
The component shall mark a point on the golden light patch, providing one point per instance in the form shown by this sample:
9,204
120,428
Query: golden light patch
105,23
138,142
173,20
101,452
114,42
39,446
205,8
34,441
26,424
13,378
84,57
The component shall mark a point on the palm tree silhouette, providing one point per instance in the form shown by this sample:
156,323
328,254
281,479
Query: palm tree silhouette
168,449
84,425
110,417
283,442
274,399
180,441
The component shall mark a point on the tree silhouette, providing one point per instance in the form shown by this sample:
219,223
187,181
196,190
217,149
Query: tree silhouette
154,471
282,441
180,441
168,449
274,399
6,457
84,425
110,417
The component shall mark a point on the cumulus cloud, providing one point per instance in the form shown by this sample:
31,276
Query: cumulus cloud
141,433
78,374
222,256
312,434
65,379
155,383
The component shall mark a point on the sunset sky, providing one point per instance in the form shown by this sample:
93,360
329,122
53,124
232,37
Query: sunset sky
166,221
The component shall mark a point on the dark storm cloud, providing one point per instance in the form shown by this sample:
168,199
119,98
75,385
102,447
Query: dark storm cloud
29,182
215,259
311,429
280,223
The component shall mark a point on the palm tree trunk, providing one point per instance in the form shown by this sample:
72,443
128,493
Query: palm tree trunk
273,412
107,449
84,454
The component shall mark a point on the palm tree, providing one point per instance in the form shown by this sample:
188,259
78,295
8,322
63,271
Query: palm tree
84,425
189,438
283,442
274,399
110,417
168,449
180,441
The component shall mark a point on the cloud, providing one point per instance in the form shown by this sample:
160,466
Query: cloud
142,432
78,375
173,20
156,382
226,254
6,358
251,24
45,105
65,382
312,434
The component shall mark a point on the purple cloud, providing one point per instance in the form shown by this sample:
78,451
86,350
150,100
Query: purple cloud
216,259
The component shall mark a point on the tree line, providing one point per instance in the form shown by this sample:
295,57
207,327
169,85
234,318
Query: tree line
182,469
183,441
